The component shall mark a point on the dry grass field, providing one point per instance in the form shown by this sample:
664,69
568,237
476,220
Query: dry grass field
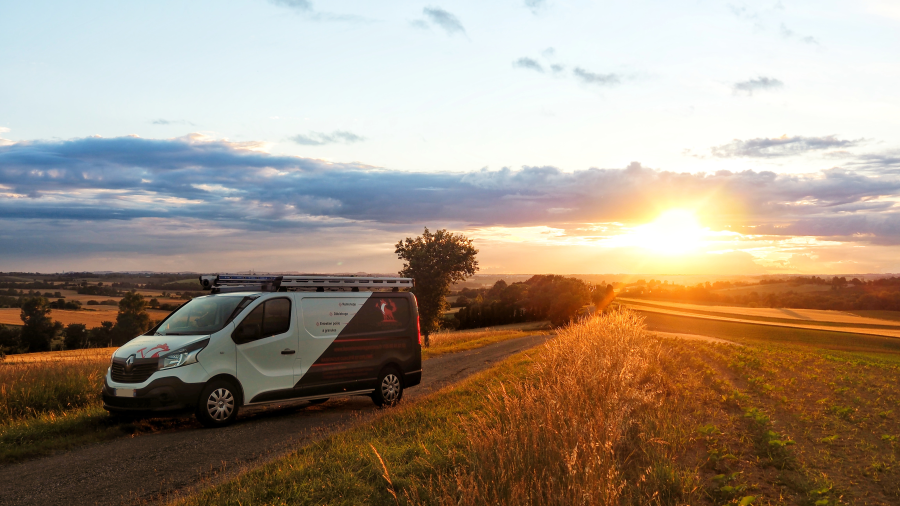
881,318
90,317
890,329
609,414
773,288
51,400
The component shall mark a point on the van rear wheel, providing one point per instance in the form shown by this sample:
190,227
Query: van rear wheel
218,404
390,388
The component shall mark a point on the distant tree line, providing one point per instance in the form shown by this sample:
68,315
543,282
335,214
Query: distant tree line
843,295
39,332
542,297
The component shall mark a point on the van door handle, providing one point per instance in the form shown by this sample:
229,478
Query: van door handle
288,352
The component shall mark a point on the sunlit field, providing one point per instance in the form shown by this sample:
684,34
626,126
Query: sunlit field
835,321
52,400
89,317
460,340
608,413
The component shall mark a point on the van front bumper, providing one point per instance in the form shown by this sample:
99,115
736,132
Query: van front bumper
160,396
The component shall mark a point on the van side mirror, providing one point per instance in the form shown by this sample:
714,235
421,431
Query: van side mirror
246,333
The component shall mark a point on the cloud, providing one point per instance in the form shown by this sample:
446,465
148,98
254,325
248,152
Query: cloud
535,5
443,19
300,5
219,185
778,147
306,8
595,79
761,83
321,139
528,63
161,121
787,33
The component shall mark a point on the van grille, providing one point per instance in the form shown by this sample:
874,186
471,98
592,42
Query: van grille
142,369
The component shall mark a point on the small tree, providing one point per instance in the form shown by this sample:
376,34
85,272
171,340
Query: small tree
101,337
38,329
132,319
436,261
76,336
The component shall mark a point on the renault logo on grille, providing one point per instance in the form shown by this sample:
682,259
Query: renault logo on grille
129,364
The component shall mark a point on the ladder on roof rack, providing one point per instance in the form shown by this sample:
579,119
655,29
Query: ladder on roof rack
220,283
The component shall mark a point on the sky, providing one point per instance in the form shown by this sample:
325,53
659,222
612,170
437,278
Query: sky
646,137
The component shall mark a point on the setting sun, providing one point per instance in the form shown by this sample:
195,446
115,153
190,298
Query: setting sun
675,231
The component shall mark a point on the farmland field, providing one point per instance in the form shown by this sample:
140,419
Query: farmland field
607,413
885,318
888,330
89,317
773,288
51,401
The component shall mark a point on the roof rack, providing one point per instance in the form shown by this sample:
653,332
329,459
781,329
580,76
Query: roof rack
223,283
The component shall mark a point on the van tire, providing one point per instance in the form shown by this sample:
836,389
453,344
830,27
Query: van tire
389,389
218,404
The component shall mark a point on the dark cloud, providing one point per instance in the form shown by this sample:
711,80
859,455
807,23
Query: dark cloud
780,146
321,139
528,63
759,84
557,68
228,185
450,23
595,79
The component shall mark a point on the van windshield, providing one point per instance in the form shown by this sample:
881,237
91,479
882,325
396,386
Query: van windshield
203,315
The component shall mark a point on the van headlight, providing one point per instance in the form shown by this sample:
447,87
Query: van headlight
182,356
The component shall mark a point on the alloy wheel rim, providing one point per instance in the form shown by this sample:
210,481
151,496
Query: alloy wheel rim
220,404
390,388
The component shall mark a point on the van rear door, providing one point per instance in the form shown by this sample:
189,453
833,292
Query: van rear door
352,338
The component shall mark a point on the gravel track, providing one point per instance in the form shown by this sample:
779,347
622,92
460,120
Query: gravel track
155,467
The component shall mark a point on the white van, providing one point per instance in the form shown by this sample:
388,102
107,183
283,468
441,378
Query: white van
252,341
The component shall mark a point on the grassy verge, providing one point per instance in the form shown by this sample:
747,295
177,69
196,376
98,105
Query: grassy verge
51,401
608,414
462,340
579,420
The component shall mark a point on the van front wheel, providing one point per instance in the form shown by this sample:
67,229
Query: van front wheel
390,388
218,404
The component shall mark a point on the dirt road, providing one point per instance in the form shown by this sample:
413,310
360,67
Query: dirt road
152,468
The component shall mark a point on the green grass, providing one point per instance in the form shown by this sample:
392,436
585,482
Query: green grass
462,340
51,401
377,463
536,429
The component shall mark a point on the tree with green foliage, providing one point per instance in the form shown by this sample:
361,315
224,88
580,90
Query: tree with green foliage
436,261
38,329
76,336
132,319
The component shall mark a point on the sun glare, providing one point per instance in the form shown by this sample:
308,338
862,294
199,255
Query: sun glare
674,232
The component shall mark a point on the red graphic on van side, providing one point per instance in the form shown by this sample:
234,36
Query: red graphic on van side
387,312
150,353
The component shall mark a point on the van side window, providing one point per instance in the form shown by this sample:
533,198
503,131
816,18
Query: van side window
270,318
277,318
